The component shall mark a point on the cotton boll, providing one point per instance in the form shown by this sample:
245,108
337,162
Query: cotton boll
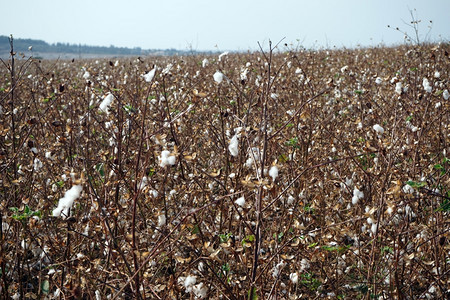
166,159
223,55
104,106
378,129
374,228
233,147
218,77
398,88
273,172
37,164
294,277
407,189
161,220
357,195
240,201
378,80
205,62
189,281
149,76
200,290
446,94
426,85
66,202
86,75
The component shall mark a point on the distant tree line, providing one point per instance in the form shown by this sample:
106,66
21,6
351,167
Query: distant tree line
39,46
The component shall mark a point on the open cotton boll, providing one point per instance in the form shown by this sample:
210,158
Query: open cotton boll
166,159
446,94
205,62
240,201
86,75
200,290
273,172
161,220
66,202
218,77
149,76
357,194
378,80
189,282
426,85
398,88
294,277
223,55
234,146
104,106
378,129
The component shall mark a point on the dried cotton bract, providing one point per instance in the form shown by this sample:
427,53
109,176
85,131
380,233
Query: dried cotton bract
66,202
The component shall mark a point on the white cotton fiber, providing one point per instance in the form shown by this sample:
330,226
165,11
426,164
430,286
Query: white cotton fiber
234,146
218,77
166,159
149,76
104,106
273,172
66,202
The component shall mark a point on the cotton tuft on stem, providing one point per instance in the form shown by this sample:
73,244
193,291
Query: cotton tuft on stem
218,77
166,159
149,76
66,202
104,106
234,146
273,172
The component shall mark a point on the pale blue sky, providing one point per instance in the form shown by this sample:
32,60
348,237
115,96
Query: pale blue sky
229,24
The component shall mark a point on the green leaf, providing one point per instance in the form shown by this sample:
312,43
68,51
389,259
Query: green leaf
195,229
445,205
416,185
101,169
312,245
252,294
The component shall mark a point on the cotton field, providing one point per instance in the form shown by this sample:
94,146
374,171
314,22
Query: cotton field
279,174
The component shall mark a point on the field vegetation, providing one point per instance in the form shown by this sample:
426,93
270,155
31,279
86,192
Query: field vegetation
280,174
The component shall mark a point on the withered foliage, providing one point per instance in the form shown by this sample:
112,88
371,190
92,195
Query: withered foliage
145,228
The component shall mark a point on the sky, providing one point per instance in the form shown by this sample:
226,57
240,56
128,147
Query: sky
222,25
